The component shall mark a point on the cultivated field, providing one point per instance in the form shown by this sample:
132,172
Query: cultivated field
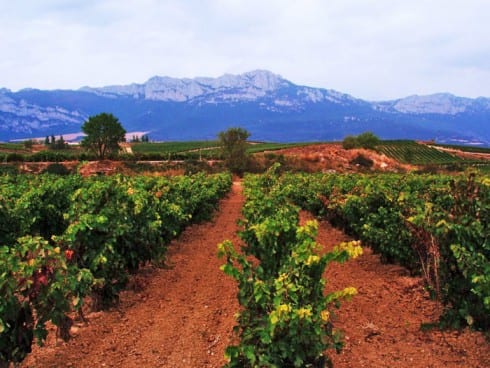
127,270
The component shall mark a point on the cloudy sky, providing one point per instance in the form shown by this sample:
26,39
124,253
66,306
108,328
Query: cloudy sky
372,49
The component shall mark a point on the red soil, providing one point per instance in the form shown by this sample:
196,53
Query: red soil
332,157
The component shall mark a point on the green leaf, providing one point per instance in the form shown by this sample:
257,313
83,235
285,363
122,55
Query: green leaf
249,352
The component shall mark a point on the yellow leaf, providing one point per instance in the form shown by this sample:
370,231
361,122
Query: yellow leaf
325,314
273,318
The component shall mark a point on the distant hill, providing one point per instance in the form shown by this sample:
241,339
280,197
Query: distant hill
269,106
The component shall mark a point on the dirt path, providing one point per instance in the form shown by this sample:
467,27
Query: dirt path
183,316
463,154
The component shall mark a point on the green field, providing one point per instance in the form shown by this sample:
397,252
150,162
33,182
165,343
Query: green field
172,147
12,147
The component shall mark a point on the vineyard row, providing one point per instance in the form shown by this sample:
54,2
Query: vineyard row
285,319
64,239
434,225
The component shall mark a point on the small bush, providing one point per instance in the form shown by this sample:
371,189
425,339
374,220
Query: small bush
57,169
15,157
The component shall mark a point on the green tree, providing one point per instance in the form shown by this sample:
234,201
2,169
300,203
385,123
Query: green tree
364,140
368,140
233,144
103,132
350,142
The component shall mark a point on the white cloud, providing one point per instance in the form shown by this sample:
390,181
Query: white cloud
375,49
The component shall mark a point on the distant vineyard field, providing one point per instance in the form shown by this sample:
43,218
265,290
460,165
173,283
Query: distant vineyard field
201,149
172,147
411,152
261,147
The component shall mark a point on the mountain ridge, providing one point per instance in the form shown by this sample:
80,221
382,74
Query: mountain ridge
268,105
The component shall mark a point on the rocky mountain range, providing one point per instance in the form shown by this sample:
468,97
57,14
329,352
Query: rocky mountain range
267,105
